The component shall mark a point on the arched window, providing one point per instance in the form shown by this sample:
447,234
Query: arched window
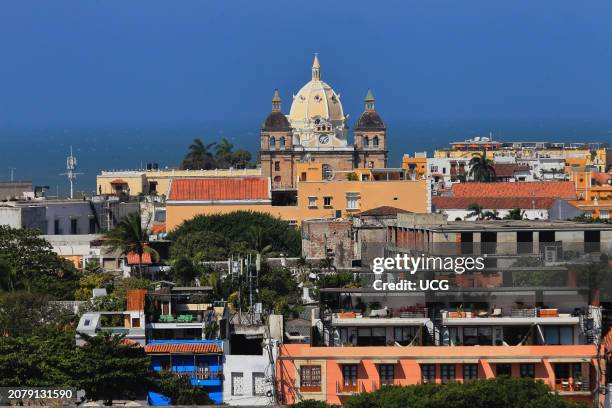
366,141
328,172
272,143
282,143
375,141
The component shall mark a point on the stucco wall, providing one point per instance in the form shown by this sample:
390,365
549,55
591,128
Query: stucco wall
247,365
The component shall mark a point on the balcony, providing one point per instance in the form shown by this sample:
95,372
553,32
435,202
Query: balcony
201,377
404,316
572,386
516,316
349,387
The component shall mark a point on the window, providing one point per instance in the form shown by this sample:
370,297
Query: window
503,370
370,165
136,322
404,335
87,322
387,374
327,172
259,384
604,214
434,169
428,373
56,227
276,166
528,370
237,384
375,336
310,378
282,143
349,376
312,202
477,336
92,225
447,372
73,226
327,201
272,143
557,335
366,141
152,187
352,202
375,141
470,372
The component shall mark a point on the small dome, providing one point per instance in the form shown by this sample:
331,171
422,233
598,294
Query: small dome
276,122
370,120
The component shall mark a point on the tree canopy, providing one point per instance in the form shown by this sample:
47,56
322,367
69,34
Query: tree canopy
499,392
27,262
481,168
200,156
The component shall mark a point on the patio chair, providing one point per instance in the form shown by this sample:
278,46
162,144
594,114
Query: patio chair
496,312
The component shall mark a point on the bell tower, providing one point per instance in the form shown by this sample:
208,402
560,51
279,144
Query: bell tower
370,137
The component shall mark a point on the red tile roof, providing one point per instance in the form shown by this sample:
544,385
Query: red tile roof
601,178
557,189
504,170
132,258
217,189
158,228
383,211
194,348
492,203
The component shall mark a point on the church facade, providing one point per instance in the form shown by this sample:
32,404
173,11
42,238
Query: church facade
316,131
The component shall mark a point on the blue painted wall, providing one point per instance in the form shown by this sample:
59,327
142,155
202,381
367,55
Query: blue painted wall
185,363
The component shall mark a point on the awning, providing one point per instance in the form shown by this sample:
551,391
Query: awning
569,359
385,361
514,360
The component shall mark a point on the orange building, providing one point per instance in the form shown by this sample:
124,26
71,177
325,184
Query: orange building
333,373
416,166
315,199
590,185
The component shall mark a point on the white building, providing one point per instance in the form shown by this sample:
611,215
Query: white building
249,378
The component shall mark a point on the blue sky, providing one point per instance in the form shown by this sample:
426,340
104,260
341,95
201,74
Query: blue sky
151,63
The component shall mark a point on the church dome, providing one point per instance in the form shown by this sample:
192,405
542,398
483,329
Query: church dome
370,119
276,122
316,100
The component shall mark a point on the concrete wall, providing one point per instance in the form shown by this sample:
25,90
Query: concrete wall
252,368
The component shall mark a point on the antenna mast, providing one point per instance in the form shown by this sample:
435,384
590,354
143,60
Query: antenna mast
71,166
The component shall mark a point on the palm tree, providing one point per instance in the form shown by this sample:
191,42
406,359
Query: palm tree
199,156
515,214
223,153
128,236
475,210
490,215
481,168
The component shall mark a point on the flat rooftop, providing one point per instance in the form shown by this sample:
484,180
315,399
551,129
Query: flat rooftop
512,225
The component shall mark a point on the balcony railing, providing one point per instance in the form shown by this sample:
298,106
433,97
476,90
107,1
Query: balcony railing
349,387
571,385
199,375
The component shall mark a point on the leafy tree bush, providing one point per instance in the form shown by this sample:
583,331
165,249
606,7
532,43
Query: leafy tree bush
24,313
500,392
312,404
181,392
211,235
27,262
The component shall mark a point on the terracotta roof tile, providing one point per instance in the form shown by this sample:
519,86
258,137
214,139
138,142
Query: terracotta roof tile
383,211
503,170
219,189
196,348
492,203
132,258
557,189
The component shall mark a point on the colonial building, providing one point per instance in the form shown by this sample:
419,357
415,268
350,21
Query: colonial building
316,131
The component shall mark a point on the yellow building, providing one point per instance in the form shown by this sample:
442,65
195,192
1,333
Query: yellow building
576,155
156,182
416,166
592,185
315,199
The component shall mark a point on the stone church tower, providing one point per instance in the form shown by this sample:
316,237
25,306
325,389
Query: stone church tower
316,131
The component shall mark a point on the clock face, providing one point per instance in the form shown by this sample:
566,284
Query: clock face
324,139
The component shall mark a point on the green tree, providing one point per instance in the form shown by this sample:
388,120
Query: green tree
500,392
475,210
24,313
129,236
515,214
27,262
312,404
91,281
181,392
278,290
108,368
481,168
224,153
199,156
183,270
205,245
241,159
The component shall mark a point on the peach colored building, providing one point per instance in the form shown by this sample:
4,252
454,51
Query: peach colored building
315,199
333,373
